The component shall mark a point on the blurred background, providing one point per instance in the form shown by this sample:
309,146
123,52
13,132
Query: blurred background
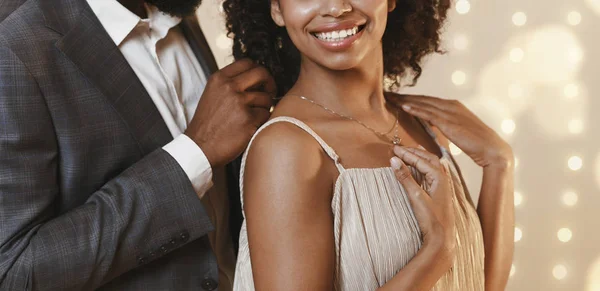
530,70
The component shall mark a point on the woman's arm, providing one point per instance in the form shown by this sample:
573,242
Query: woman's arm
496,213
287,193
494,155
288,188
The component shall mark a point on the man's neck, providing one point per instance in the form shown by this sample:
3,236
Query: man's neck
135,6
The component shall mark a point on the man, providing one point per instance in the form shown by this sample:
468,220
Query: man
113,146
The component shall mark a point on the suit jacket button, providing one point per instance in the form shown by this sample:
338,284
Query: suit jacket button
209,284
172,242
184,236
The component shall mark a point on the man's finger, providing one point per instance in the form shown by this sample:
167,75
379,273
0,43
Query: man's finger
255,77
259,116
259,99
238,67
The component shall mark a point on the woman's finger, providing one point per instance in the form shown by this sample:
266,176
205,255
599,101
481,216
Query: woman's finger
426,112
430,157
421,203
432,173
443,104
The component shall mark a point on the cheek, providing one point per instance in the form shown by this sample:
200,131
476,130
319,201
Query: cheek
297,14
376,11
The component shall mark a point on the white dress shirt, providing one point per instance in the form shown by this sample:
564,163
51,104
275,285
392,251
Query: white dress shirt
166,65
164,62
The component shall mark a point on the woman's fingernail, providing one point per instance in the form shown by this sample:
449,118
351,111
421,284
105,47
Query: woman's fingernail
421,147
396,163
397,149
406,107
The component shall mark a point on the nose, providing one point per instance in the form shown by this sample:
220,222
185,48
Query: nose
335,8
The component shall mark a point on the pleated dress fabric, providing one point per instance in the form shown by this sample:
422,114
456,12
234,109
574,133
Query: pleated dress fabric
376,232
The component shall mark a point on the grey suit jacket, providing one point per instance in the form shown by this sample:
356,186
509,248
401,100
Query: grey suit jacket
88,199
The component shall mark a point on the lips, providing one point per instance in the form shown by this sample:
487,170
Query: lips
338,36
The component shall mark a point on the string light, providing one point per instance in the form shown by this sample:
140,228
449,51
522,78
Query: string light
574,18
519,18
518,234
518,199
463,6
575,163
459,78
569,198
454,150
508,126
559,272
564,235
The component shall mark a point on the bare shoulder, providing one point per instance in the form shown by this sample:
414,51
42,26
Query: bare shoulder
283,160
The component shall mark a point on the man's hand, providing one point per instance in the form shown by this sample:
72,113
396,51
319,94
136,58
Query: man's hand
235,103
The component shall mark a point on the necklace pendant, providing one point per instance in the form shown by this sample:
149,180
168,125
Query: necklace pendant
396,140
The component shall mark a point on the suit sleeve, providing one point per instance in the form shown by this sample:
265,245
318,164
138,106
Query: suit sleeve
147,211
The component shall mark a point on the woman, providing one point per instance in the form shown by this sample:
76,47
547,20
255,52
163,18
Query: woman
323,209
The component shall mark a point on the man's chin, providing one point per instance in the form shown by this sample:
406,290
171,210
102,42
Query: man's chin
179,8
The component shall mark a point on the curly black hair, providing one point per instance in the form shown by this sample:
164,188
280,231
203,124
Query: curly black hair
413,31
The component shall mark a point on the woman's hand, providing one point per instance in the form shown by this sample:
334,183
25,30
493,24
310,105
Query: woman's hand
462,128
433,210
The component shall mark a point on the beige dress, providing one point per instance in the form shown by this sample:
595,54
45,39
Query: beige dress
376,232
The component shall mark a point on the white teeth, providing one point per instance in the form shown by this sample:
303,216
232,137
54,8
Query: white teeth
337,35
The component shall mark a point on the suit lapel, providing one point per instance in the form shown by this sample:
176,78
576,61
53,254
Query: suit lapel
195,37
91,49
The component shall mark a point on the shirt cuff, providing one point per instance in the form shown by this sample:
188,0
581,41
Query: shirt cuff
193,162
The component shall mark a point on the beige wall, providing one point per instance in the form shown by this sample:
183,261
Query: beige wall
542,80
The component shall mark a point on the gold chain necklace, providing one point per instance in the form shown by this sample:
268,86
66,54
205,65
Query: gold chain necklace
396,140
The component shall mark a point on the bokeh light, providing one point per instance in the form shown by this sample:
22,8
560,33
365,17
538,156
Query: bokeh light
564,235
454,150
575,163
519,18
459,78
559,272
518,198
508,126
518,234
569,198
574,18
463,6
